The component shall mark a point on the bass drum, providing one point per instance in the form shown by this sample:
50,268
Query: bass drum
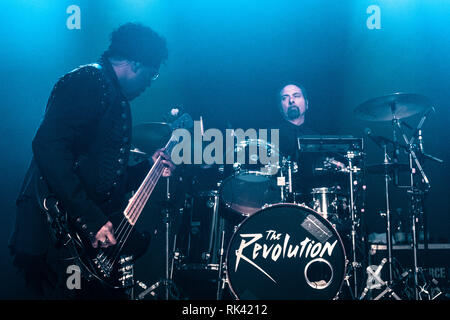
288,252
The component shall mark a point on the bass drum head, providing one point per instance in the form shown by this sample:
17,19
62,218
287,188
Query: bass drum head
288,252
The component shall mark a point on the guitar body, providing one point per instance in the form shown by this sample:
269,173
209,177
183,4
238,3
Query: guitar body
112,266
104,264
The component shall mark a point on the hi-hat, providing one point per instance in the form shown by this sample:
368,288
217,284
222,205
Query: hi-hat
150,136
397,105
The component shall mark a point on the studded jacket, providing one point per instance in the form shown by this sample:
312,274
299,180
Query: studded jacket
81,152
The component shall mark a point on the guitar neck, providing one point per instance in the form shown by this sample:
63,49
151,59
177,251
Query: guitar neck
137,203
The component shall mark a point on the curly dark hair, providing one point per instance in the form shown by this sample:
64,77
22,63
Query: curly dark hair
136,42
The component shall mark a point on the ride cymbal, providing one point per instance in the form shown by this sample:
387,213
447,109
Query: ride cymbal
397,105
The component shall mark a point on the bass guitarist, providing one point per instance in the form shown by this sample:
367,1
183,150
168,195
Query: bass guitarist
80,154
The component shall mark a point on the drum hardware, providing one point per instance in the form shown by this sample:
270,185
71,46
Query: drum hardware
375,275
351,169
430,289
393,108
330,164
287,168
326,203
388,166
220,279
351,148
416,195
374,281
167,283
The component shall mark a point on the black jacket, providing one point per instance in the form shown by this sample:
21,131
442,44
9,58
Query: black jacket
80,152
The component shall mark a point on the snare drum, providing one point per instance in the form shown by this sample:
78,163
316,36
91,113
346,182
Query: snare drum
285,251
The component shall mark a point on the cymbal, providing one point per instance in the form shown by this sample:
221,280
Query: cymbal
137,156
381,168
138,153
398,105
150,136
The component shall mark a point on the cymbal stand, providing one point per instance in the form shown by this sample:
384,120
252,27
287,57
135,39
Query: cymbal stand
388,217
166,282
287,168
355,264
221,281
390,282
416,208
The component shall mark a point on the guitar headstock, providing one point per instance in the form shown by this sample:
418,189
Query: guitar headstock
182,122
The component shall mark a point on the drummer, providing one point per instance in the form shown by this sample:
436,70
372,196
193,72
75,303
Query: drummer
293,107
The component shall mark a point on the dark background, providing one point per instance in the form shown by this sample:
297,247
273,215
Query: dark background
227,62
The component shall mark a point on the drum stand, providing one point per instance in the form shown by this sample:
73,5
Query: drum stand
287,194
355,264
417,195
221,281
388,219
389,283
170,289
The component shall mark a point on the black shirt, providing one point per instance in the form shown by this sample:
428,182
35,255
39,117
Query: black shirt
310,173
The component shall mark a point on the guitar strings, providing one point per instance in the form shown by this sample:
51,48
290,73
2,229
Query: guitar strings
137,209
126,227
140,194
124,222
131,215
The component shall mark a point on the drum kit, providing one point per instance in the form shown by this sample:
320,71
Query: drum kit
251,235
